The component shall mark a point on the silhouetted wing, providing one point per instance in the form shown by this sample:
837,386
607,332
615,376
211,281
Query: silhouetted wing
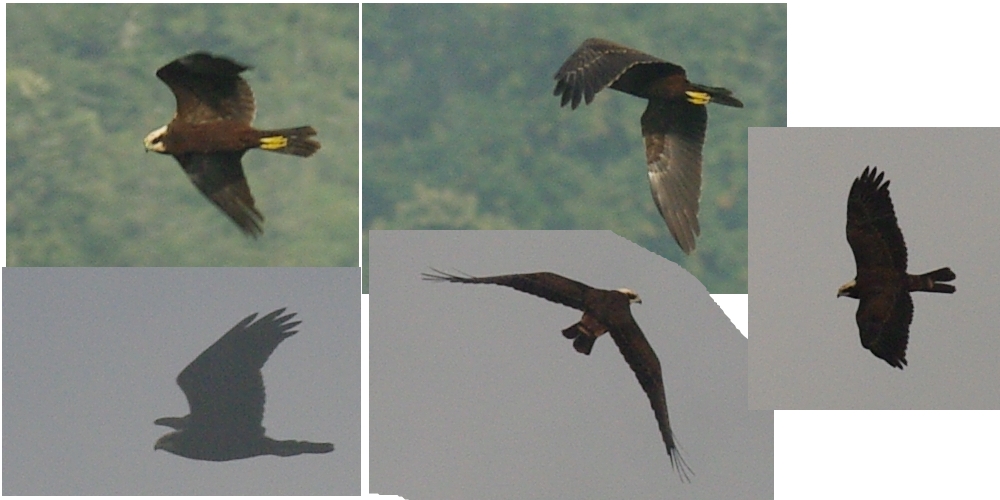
219,176
674,132
643,361
549,286
872,230
224,386
884,323
598,63
208,88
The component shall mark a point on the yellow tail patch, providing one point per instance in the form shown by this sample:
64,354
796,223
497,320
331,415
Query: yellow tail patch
698,97
276,142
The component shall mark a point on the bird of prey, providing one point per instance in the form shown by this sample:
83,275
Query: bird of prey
211,131
225,391
882,284
673,125
604,311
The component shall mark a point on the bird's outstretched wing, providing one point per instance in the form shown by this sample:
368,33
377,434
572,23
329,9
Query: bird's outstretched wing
643,361
674,133
885,308
673,125
549,286
872,230
219,176
598,63
209,88
884,321
224,385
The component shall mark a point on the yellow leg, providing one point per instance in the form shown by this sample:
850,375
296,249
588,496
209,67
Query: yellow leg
698,97
276,142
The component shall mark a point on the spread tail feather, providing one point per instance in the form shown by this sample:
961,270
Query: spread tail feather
583,342
292,447
932,281
290,141
719,95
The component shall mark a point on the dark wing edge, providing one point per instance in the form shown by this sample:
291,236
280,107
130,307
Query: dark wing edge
595,65
886,335
220,178
209,87
674,132
643,361
206,362
549,286
233,365
872,230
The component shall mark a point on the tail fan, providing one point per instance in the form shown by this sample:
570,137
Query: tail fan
932,281
292,447
583,341
290,141
719,95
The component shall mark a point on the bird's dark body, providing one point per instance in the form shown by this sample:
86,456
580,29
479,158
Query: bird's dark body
673,125
881,283
225,391
604,311
211,131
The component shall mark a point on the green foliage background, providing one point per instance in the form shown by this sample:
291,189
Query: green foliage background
82,93
461,130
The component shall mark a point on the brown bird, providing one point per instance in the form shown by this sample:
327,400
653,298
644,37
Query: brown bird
225,390
673,125
881,283
211,131
604,311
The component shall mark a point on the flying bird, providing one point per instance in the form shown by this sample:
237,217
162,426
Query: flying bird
673,125
604,311
211,131
882,284
225,391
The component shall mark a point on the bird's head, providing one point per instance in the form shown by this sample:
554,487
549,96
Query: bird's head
848,290
154,141
633,298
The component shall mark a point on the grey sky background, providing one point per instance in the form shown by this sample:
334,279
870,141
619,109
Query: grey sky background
805,351
90,358
474,393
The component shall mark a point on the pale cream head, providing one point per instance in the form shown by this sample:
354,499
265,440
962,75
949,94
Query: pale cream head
633,297
154,141
846,289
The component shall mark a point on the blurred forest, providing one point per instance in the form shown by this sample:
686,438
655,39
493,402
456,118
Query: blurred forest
461,130
82,93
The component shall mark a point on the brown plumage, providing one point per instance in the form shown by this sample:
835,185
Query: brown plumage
604,311
673,125
225,391
882,284
211,131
